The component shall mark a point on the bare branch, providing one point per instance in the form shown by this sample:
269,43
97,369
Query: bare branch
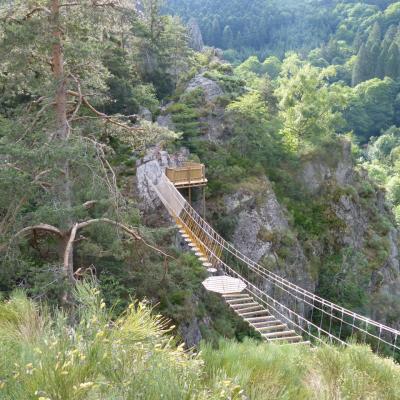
36,10
89,204
125,228
105,117
78,84
40,227
68,254
69,4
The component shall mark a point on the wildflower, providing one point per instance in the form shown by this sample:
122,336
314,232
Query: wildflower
86,385
2,384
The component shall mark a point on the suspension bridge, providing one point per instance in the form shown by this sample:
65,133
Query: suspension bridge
279,310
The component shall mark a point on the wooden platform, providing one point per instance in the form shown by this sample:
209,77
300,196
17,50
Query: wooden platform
188,175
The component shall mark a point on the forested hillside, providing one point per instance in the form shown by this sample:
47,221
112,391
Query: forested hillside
274,27
293,107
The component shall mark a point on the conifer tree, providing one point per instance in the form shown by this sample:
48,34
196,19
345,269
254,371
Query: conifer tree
361,68
392,65
390,36
216,31
373,49
227,37
51,138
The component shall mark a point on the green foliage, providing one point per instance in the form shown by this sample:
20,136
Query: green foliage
259,27
133,356
382,163
233,85
308,107
162,53
370,107
300,373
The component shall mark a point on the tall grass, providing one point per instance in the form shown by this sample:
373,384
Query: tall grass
89,356
287,372
46,356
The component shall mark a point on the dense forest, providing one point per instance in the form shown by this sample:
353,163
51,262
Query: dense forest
294,108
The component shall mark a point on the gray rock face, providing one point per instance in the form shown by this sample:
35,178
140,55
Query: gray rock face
145,114
261,220
149,169
211,89
195,38
357,218
166,121
214,124
316,173
190,333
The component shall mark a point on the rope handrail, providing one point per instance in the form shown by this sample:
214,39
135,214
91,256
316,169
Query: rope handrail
210,240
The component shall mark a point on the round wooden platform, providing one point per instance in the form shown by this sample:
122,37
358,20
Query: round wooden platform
224,284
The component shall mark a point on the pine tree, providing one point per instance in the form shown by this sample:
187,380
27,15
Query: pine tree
358,41
51,137
392,65
227,37
216,31
361,68
390,36
373,50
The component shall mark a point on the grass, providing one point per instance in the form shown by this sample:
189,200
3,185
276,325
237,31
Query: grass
268,371
88,355
48,356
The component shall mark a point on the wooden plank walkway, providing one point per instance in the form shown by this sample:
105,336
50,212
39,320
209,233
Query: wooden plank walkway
246,307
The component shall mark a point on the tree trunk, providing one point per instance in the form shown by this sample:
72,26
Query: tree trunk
58,70
62,128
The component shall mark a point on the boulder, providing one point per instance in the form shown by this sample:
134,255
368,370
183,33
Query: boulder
211,88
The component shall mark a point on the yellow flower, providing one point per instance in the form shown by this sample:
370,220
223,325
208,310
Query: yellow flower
86,385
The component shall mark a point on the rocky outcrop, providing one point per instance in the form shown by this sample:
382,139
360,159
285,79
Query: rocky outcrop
212,118
145,113
262,230
211,88
317,172
195,38
190,332
165,120
149,169
365,228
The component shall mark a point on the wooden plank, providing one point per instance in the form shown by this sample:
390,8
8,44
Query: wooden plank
279,334
260,319
286,339
271,328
